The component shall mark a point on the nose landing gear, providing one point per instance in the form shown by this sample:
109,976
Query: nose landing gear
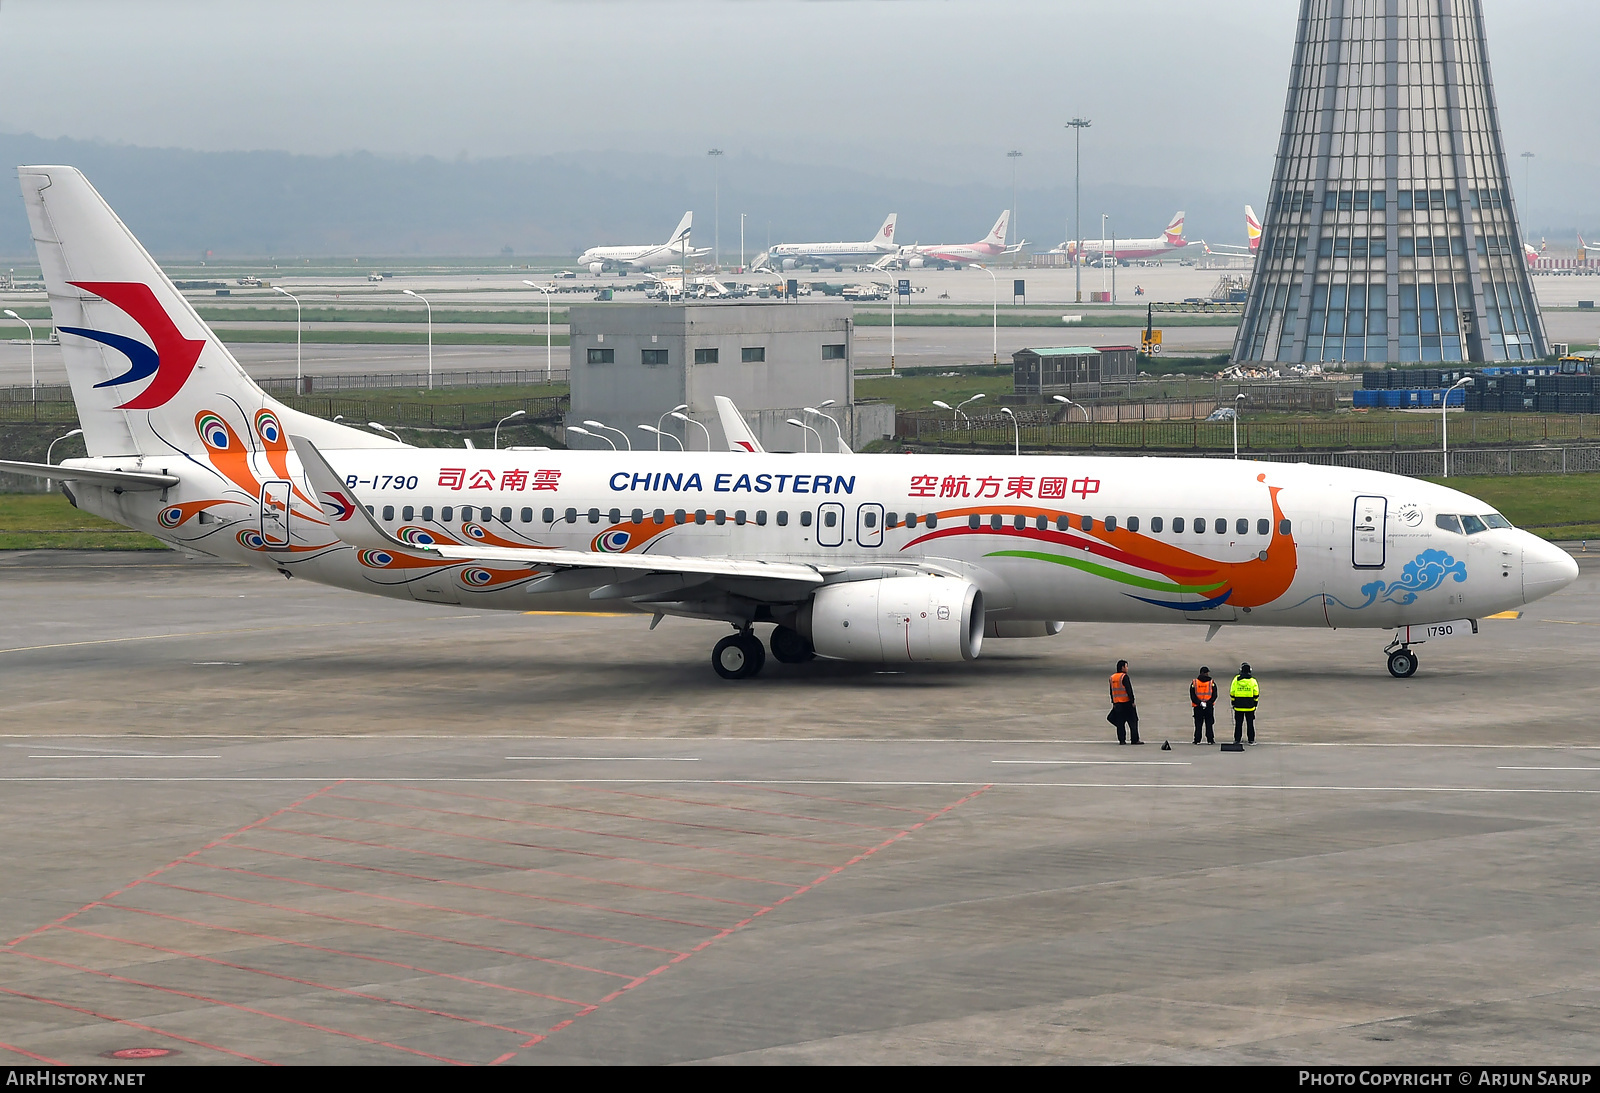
739,656
1402,662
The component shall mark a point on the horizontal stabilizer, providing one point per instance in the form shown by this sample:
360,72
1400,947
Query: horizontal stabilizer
126,480
351,522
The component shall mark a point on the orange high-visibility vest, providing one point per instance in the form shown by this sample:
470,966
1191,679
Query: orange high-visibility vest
1119,687
1205,690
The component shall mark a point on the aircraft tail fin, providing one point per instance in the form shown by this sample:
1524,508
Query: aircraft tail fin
1252,229
1174,233
885,236
740,438
680,235
997,234
148,375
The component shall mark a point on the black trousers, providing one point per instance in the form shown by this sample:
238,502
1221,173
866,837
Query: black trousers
1125,716
1240,718
1205,717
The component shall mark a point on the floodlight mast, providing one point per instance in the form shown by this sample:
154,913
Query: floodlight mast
1078,125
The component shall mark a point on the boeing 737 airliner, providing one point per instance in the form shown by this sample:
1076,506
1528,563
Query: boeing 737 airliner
856,557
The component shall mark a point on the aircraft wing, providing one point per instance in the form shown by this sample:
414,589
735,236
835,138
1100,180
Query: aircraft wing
361,530
126,480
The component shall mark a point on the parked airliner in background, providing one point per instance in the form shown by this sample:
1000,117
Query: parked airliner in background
1167,244
990,246
1252,232
837,255
675,251
856,557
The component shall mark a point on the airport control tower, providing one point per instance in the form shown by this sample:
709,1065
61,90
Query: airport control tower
1390,233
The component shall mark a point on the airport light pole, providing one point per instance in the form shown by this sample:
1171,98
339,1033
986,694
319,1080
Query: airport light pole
963,402
381,427
297,335
502,421
659,435
49,452
1444,422
661,423
1071,405
1237,400
1078,125
418,295
805,443
827,418
609,429
33,376
685,417
1016,429
994,307
716,208
585,432
741,243
1013,156
547,290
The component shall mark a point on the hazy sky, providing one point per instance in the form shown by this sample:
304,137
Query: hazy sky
923,89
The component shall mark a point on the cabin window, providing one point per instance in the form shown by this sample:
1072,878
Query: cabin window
388,512
615,516
721,516
679,516
1263,527
871,518
447,514
1019,522
891,519
572,516
549,516
427,512
805,518
911,519
783,518
1111,523
931,520
1086,523
974,520
1063,523
761,518
1199,525
1156,524
1133,523
637,516
1283,527
1177,525
699,516
995,521
1041,522
1221,527
829,518
1241,526
505,515
659,516
594,516
408,513
739,517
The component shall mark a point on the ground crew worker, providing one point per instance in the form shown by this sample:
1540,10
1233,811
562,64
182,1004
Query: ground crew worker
1246,693
1124,714
1203,697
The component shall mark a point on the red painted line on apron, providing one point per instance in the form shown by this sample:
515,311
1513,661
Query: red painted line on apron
542,846
581,831
157,872
833,872
240,1007
295,979
433,907
330,951
55,1062
837,800
511,866
476,887
390,929
134,1024
730,808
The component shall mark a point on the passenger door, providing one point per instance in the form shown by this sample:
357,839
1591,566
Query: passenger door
830,524
275,514
869,525
1370,532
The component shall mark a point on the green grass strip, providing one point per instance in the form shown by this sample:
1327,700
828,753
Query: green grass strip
1107,572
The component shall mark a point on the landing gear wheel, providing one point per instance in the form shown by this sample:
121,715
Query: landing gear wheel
738,656
790,646
1402,664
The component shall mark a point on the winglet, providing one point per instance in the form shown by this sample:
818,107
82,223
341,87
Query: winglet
350,519
740,438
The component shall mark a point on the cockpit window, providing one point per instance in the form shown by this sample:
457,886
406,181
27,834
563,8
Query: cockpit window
1472,525
1495,520
1448,523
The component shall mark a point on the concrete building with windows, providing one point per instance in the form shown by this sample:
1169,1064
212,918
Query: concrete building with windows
1390,233
632,363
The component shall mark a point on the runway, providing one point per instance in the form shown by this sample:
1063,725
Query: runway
255,821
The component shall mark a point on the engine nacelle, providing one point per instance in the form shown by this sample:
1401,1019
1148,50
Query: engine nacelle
597,268
1022,628
789,263
896,620
916,263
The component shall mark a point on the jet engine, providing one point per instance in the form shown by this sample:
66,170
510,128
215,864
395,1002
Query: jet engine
597,268
1022,628
896,620
915,263
789,263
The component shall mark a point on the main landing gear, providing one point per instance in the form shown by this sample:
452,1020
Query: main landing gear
741,655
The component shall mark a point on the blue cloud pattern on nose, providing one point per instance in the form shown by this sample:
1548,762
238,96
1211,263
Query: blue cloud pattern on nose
1424,573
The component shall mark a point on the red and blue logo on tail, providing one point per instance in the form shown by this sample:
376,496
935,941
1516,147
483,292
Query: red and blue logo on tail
171,360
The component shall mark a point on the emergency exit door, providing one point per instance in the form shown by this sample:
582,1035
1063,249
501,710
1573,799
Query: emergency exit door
1369,532
275,514
869,525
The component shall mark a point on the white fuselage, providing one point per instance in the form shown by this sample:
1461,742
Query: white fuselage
1281,545
658,254
1127,249
955,252
830,253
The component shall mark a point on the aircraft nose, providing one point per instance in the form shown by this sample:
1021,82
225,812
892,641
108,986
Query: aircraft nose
1546,569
